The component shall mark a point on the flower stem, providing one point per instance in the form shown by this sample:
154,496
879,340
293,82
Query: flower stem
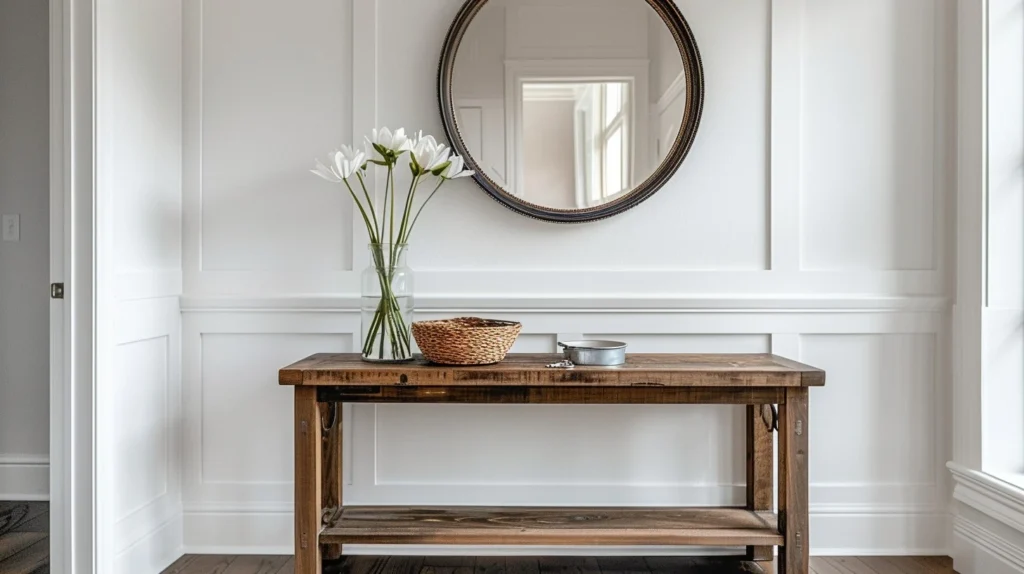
370,202
391,187
388,326
415,183
366,220
415,219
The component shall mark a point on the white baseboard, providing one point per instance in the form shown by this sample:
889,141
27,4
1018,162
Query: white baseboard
834,532
154,552
24,478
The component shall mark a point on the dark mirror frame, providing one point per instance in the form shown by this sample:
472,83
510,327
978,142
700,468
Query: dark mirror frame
692,67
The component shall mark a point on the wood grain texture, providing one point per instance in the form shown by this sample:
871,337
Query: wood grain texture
666,370
34,559
498,395
329,379
560,565
257,564
331,471
794,557
308,479
24,517
760,481
552,526
24,537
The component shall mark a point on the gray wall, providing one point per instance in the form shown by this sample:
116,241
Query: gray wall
24,266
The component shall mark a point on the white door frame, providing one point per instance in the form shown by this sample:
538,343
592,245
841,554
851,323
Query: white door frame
72,320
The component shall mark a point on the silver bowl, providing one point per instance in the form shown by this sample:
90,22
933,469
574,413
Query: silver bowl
597,353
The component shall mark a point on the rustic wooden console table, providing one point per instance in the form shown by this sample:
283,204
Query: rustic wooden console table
323,381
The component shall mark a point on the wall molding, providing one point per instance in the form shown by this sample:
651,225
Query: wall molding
24,477
154,550
989,495
979,550
593,304
912,512
148,284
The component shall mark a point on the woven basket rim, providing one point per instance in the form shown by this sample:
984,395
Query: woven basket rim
468,323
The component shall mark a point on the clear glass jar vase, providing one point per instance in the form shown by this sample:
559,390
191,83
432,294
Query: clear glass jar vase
387,305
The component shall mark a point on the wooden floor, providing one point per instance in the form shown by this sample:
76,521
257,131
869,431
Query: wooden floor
24,538
564,565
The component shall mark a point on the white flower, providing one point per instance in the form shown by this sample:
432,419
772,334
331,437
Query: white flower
428,154
344,164
386,144
349,161
326,172
455,169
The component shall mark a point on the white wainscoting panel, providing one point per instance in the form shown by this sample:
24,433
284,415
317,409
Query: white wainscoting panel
142,405
247,398
870,72
146,454
880,386
259,207
238,453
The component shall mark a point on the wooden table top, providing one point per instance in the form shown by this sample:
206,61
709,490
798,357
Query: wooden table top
531,370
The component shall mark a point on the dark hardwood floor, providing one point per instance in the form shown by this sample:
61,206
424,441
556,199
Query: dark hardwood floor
561,565
24,538
24,549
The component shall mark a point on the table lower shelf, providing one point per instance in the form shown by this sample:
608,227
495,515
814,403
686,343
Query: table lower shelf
552,526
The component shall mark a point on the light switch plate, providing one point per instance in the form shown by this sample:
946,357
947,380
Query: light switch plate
11,227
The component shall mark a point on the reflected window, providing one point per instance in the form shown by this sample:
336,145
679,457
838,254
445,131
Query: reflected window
612,143
576,149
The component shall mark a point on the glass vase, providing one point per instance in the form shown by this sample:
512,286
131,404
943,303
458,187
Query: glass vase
387,305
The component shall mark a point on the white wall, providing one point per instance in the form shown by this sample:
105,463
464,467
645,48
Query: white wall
139,173
758,244
24,266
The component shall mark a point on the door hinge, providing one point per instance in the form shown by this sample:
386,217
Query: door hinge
56,290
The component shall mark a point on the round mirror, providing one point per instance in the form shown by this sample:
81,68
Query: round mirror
571,110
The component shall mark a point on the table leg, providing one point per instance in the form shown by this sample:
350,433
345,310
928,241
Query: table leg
794,556
759,474
331,472
307,481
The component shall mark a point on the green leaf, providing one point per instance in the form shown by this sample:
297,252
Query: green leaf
383,151
379,162
440,169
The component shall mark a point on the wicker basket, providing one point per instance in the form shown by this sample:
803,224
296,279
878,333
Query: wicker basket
465,340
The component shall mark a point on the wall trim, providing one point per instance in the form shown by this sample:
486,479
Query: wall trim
25,478
983,540
548,303
148,284
153,551
989,495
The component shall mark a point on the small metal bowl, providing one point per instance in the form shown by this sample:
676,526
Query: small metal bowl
597,353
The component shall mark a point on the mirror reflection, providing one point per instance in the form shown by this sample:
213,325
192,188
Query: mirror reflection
568,104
